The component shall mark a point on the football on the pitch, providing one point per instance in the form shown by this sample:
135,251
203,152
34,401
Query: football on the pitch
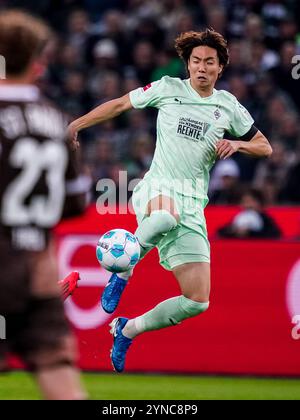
118,250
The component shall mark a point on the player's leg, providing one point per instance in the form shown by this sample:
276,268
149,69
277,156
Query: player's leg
194,281
161,216
3,356
186,252
56,373
61,383
51,353
46,343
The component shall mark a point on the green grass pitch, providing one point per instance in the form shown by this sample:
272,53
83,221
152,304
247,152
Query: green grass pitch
20,386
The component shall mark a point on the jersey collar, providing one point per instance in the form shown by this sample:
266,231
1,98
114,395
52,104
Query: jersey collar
195,93
19,93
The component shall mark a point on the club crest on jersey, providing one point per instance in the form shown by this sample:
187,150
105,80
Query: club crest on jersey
145,88
217,114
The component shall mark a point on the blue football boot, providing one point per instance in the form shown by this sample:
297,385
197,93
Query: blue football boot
121,344
112,293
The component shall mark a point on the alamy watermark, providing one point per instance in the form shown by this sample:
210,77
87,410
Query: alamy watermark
2,68
115,195
296,68
2,328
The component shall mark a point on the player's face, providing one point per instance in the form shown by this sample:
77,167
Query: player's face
204,68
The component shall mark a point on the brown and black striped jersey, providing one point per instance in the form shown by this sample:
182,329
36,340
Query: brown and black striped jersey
38,172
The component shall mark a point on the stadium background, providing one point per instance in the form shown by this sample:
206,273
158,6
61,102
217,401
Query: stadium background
103,49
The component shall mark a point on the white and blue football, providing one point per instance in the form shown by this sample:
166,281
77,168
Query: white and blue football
118,250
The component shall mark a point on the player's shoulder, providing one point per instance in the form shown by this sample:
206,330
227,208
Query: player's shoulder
227,97
172,82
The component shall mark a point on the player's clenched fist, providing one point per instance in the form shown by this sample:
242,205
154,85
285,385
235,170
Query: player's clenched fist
226,148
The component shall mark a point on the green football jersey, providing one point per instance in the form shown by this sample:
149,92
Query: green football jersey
188,128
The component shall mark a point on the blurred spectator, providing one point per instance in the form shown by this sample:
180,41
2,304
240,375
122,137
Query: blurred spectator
240,89
238,61
96,8
288,30
289,131
173,11
216,18
273,12
238,12
103,157
106,88
167,65
138,124
252,221
111,27
141,156
149,30
78,30
261,59
291,191
282,74
254,28
144,61
106,65
225,186
75,100
277,107
271,174
263,91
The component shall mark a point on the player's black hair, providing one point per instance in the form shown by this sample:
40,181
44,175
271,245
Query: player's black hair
187,41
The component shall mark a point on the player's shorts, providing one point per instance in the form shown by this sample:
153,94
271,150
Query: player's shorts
36,329
186,243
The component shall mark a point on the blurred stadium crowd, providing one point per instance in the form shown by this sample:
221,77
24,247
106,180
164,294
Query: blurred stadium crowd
103,49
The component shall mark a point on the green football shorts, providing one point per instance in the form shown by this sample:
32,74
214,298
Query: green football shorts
186,243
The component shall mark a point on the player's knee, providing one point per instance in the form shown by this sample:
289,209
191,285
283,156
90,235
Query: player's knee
164,220
199,297
193,308
200,307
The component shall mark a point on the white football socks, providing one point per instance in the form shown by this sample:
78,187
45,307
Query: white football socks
133,328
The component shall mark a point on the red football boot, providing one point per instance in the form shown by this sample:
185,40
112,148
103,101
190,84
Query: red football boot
69,284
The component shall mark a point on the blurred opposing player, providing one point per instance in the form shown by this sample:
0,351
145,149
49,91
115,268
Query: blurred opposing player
37,172
169,202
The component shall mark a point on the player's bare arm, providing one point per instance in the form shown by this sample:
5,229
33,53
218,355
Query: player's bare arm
104,112
258,146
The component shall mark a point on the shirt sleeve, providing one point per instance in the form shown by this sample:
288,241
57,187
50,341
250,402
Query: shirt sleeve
242,121
148,96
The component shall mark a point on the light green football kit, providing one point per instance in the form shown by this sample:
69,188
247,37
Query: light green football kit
188,128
